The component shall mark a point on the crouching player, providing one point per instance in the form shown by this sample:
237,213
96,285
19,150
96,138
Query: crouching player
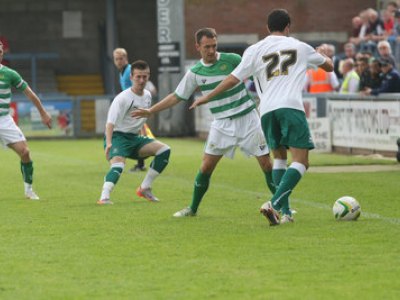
122,139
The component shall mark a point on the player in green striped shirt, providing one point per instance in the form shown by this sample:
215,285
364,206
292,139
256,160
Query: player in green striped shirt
10,134
236,122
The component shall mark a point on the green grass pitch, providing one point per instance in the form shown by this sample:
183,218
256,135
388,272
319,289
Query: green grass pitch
66,247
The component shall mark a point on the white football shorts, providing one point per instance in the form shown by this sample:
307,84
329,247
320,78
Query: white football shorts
9,131
244,132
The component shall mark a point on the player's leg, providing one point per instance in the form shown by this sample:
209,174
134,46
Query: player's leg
273,133
117,164
251,140
297,137
119,151
21,148
266,166
161,153
218,143
140,164
201,184
280,165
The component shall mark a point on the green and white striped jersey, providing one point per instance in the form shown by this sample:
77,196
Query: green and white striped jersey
229,104
8,79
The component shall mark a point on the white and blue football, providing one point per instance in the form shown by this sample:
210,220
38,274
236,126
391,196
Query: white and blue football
346,209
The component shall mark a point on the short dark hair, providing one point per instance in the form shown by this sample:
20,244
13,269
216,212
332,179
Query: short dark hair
363,60
376,61
208,32
139,65
278,19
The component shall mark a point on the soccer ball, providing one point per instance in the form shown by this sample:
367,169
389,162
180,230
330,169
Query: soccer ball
346,209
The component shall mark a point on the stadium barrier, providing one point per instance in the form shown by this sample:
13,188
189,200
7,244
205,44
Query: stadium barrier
343,123
73,116
339,123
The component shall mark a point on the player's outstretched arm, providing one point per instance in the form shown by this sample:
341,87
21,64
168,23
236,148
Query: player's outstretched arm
165,103
46,118
228,83
328,64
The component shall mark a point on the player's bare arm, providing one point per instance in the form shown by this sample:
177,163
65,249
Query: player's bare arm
328,64
165,103
109,134
46,118
228,83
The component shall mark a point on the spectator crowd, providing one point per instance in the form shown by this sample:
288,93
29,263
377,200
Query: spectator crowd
370,60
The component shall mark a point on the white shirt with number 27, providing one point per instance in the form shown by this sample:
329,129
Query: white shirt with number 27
278,65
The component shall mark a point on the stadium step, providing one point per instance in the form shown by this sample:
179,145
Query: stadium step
91,84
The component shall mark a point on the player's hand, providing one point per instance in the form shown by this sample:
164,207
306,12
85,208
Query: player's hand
322,49
107,151
366,92
141,113
46,119
199,101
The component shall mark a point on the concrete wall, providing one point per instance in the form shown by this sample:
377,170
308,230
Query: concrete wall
249,17
37,26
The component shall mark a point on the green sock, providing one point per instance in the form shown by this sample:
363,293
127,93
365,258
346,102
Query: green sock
27,171
200,188
270,183
160,160
277,176
113,175
288,182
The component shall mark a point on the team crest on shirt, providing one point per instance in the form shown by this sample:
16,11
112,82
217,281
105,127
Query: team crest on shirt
223,67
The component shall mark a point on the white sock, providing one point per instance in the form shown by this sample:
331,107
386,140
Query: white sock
107,188
28,187
299,167
149,178
279,164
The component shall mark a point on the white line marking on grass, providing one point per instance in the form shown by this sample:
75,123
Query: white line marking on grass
364,214
318,205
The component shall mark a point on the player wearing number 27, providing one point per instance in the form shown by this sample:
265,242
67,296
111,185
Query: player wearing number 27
278,64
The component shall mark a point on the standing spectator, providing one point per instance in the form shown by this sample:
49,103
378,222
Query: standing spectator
363,32
351,80
121,63
362,69
236,122
388,22
375,71
390,81
6,49
349,52
320,81
10,134
356,23
396,37
122,141
385,52
281,107
375,32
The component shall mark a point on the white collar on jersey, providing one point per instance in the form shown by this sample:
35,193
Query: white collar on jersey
207,65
